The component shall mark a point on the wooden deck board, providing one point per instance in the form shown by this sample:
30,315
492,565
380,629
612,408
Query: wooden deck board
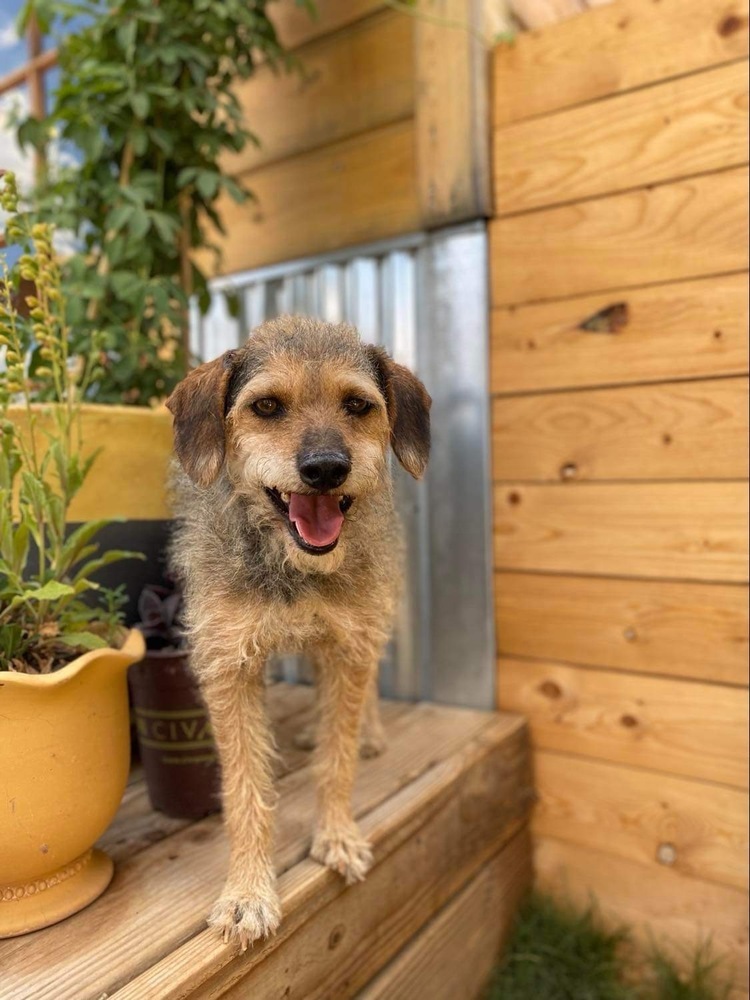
146,935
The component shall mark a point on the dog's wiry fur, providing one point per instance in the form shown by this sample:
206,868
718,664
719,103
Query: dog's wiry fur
251,590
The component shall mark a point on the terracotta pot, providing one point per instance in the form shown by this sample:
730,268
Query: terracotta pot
64,761
174,736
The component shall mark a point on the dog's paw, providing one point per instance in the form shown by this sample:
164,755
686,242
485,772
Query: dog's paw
343,851
372,743
305,739
244,919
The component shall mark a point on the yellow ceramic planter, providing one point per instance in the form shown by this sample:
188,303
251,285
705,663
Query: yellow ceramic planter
64,759
121,483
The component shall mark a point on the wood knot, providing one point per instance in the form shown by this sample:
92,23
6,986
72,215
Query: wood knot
611,319
336,937
551,689
718,334
730,25
629,721
514,498
666,438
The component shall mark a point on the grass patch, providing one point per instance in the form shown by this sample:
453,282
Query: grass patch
557,952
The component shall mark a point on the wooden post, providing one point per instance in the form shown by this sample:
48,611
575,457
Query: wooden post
35,81
452,116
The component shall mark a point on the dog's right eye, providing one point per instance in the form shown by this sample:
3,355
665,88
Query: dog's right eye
266,407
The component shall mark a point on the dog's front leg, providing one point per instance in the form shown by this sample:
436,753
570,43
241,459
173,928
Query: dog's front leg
248,908
344,681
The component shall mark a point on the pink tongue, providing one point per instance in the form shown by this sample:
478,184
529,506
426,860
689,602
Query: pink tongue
318,519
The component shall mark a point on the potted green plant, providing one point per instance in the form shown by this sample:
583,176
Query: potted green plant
64,752
172,724
146,97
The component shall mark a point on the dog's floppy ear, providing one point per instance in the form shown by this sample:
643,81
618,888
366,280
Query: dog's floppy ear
198,404
408,404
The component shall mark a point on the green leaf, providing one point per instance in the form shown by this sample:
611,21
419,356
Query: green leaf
82,535
61,468
126,35
11,638
126,285
32,491
139,225
141,105
207,182
186,176
84,640
53,590
21,536
119,217
112,555
166,226
235,192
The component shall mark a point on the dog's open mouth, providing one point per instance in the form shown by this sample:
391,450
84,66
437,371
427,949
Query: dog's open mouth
314,520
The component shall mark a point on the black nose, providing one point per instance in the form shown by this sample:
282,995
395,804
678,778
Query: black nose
324,470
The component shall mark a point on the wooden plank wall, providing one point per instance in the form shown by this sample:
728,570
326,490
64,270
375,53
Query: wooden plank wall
380,132
336,162
620,380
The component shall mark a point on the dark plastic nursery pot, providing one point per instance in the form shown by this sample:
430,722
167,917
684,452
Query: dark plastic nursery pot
174,735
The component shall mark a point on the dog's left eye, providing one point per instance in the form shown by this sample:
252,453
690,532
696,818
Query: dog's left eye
356,405
267,407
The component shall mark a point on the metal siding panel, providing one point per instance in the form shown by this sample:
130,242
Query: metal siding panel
454,343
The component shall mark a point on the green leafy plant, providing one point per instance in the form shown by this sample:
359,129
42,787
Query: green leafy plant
146,103
50,607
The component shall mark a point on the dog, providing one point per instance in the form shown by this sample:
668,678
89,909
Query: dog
287,540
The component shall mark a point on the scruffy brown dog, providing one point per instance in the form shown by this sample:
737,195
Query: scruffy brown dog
287,540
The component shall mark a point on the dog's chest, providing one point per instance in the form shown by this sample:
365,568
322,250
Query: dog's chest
289,627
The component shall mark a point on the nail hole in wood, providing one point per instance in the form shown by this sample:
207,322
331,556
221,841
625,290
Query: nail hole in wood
335,937
666,438
629,721
514,498
630,634
666,854
569,470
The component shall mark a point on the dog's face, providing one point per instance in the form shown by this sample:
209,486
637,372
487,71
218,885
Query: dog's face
301,419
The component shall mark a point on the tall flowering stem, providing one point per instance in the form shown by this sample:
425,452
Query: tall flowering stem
43,618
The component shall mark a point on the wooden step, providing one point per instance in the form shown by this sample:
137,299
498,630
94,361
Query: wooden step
446,808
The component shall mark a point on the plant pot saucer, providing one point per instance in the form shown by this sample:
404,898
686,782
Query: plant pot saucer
36,903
